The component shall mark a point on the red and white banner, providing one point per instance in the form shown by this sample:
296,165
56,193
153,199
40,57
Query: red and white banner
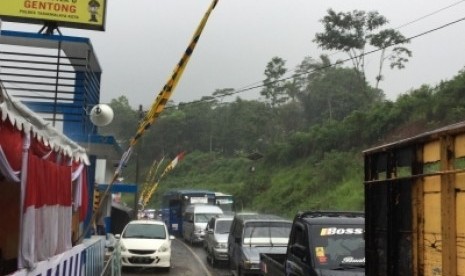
45,164
47,217
173,164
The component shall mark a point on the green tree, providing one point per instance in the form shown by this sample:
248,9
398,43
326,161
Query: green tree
335,93
398,56
352,32
197,128
449,100
310,69
242,126
167,135
221,93
124,124
275,88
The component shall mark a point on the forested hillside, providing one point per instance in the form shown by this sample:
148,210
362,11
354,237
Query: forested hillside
308,131
309,161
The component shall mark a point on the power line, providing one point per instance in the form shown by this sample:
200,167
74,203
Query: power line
430,14
251,87
417,19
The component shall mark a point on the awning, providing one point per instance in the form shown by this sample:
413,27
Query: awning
25,120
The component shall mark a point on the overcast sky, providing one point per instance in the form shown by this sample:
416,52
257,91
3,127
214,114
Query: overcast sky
144,39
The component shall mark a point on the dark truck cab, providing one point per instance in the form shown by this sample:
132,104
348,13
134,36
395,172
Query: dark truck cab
321,243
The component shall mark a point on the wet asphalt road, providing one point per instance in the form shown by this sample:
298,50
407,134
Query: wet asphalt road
186,260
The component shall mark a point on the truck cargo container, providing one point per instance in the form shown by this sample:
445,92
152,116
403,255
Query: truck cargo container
415,205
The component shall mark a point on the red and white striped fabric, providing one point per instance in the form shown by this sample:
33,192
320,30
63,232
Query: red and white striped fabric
38,157
47,217
173,163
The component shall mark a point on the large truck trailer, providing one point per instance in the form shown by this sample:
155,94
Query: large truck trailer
415,205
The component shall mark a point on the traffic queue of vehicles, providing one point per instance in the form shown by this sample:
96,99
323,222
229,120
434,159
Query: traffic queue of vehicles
413,223
174,204
315,243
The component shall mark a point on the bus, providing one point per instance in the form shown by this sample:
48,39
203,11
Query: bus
174,203
225,202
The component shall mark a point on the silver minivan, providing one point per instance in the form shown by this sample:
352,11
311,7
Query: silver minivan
195,221
252,234
216,239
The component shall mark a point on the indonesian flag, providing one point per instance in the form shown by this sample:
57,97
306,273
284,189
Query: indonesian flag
47,216
173,163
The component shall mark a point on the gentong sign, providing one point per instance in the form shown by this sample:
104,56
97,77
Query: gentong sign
82,14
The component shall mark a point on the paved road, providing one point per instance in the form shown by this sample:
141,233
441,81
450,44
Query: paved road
186,260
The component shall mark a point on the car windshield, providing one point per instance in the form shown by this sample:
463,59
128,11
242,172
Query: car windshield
267,232
222,226
226,207
338,247
145,231
203,217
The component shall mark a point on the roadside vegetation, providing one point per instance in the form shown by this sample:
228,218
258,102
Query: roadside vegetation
300,146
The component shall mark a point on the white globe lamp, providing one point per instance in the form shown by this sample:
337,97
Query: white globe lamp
101,115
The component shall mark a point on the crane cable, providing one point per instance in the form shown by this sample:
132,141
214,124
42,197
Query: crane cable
155,110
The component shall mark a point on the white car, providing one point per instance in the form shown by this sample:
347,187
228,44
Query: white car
145,243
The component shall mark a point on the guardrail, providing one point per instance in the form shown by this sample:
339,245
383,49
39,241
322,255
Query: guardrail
113,262
94,255
84,259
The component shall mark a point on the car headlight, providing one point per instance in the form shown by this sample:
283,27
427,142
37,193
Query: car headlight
163,248
251,265
123,248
